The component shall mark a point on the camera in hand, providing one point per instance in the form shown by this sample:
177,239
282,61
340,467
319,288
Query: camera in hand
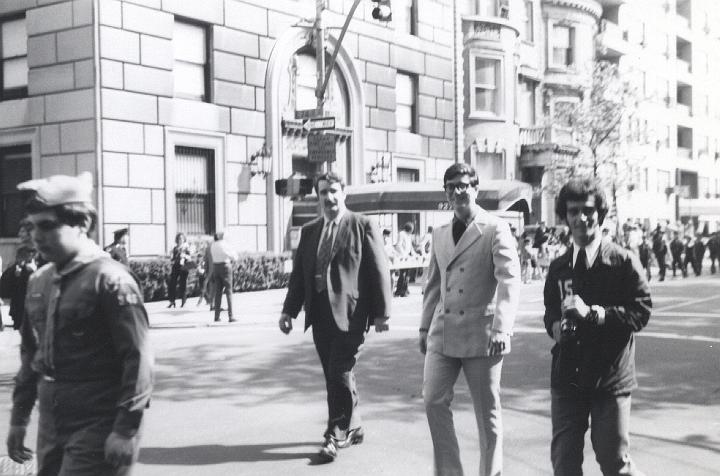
568,326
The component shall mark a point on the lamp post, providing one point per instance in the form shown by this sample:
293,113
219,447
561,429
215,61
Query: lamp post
260,162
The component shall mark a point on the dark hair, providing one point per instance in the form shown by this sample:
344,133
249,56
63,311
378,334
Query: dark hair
409,227
329,177
386,232
70,214
178,235
582,189
460,168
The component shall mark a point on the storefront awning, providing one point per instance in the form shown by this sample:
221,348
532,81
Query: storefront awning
493,195
710,207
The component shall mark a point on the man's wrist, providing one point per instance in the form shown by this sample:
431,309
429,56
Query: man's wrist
423,330
597,315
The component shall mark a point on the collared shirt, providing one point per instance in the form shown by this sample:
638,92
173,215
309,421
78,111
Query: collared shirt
336,223
591,251
459,225
86,328
222,252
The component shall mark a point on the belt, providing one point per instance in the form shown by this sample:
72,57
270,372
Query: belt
47,378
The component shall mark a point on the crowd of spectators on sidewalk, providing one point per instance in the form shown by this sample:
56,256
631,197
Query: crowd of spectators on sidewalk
668,246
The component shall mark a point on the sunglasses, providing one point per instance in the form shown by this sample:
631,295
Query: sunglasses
44,225
456,187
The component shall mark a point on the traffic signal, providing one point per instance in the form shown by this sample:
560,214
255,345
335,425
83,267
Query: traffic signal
383,10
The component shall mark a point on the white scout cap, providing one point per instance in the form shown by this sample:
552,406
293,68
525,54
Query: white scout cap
61,189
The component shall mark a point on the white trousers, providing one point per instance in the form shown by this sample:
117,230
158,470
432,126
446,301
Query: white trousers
483,377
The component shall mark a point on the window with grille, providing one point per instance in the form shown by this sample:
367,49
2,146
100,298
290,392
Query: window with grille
191,67
563,42
13,58
195,190
15,167
485,87
406,102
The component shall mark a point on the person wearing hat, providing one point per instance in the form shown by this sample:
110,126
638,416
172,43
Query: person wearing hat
118,248
85,352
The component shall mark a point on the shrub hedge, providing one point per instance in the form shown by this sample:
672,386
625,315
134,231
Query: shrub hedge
251,272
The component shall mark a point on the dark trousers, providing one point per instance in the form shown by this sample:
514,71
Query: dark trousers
178,277
72,446
402,283
338,352
713,258
660,258
610,432
223,283
677,261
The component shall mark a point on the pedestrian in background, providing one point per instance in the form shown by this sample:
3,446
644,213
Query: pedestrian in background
469,306
222,256
13,282
180,259
118,249
698,255
404,250
596,298
659,248
340,275
644,254
85,354
713,246
676,250
689,254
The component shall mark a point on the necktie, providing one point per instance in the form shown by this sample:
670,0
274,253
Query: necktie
579,270
458,228
323,258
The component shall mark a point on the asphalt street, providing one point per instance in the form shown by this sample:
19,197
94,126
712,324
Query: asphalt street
244,399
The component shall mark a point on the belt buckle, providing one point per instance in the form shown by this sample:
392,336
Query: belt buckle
48,378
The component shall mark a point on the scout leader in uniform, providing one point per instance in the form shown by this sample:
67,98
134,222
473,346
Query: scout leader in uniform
85,355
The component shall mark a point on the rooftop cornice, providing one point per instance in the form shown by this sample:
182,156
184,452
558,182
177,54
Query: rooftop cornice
590,6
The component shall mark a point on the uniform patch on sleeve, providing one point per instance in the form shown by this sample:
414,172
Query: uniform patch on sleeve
124,291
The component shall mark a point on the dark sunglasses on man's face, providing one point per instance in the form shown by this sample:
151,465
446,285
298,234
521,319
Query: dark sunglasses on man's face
456,187
44,225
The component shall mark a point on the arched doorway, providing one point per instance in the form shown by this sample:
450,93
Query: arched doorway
290,86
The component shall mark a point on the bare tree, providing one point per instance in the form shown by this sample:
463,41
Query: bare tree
603,126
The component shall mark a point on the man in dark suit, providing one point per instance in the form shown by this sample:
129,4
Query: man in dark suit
341,275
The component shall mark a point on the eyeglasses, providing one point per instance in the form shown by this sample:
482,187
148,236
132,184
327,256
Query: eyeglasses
456,187
44,225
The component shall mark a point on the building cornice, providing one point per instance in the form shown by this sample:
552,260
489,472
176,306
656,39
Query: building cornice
589,6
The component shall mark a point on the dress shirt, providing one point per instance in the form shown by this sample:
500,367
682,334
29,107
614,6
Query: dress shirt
336,221
222,252
591,251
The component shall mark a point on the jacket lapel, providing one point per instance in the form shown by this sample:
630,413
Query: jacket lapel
445,245
471,235
341,237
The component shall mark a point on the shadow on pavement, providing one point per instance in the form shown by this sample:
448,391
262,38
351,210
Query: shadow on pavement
217,454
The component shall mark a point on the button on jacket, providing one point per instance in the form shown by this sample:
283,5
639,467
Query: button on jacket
473,287
599,357
86,329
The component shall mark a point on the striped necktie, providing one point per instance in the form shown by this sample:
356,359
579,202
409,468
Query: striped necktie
323,258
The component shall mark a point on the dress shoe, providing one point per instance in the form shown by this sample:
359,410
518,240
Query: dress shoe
217,319
232,319
182,304
354,437
328,450
172,304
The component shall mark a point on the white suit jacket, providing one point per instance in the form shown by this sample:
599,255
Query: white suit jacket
472,288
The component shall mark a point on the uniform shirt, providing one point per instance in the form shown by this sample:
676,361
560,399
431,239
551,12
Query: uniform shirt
86,329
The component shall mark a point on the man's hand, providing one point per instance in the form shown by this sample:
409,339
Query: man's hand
575,308
381,326
422,341
17,450
498,343
120,450
557,332
285,323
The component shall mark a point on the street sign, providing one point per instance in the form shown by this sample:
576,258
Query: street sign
308,113
319,123
321,148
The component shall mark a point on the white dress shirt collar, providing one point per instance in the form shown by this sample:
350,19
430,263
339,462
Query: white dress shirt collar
591,251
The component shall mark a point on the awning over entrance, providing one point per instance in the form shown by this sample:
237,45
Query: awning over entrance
494,195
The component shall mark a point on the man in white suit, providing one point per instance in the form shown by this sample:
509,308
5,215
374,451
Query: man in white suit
469,307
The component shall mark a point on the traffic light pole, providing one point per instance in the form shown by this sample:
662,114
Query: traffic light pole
322,86
320,54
